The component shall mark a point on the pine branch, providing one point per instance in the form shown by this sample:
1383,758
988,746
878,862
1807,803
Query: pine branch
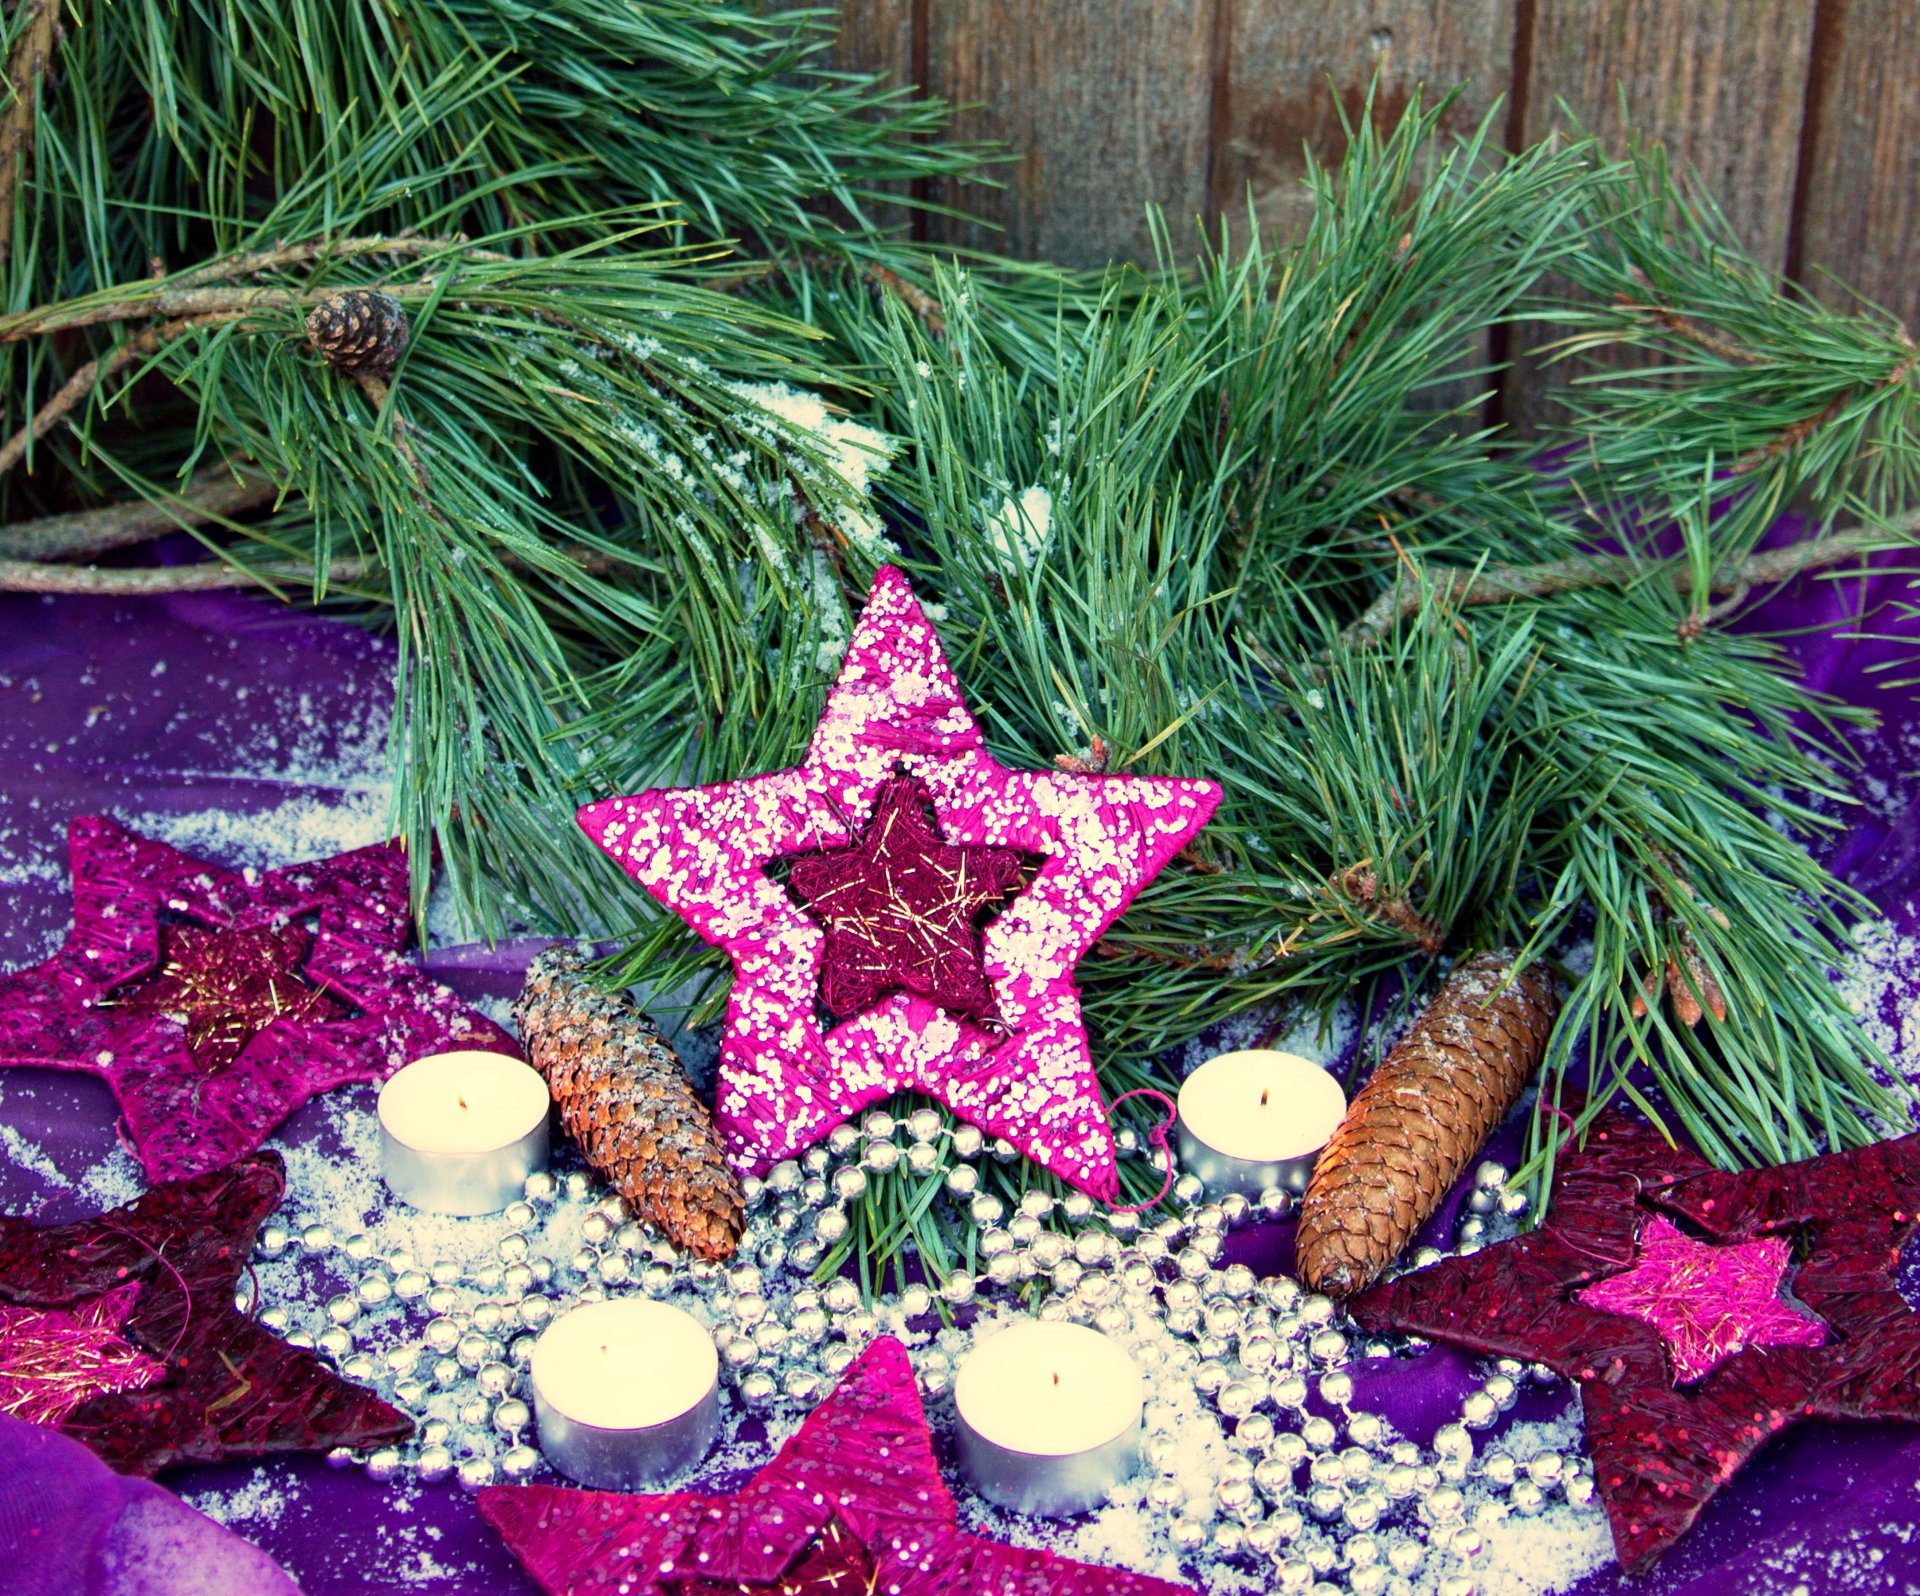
185,307
1461,589
399,246
28,576
26,70
83,382
212,495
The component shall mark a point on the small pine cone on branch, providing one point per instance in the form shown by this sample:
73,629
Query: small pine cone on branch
360,333
1429,1108
626,1100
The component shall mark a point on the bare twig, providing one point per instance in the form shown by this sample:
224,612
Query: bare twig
90,376
1360,887
26,69
210,496
27,576
1499,584
400,246
932,314
1701,337
1239,960
1791,437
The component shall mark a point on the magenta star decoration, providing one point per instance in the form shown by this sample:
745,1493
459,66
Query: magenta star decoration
1687,1356
860,1465
1706,1303
900,909
165,1368
1019,1068
215,1002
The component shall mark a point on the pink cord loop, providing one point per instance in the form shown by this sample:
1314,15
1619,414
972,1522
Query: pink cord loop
1556,1112
1158,1136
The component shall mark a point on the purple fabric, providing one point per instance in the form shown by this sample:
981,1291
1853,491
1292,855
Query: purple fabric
87,726
69,1525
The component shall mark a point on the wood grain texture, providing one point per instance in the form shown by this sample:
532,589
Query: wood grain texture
1721,83
1291,70
878,36
1860,187
1107,102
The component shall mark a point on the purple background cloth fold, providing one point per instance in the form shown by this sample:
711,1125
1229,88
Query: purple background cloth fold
70,1526
208,706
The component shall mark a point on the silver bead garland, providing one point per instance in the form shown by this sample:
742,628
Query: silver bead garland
1254,1455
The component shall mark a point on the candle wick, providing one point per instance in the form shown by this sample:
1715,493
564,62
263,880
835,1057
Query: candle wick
1056,1377
463,1098
1263,1096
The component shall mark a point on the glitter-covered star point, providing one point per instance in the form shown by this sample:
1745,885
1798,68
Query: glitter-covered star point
200,1380
853,1502
1020,1070
215,1002
1673,1407
54,1359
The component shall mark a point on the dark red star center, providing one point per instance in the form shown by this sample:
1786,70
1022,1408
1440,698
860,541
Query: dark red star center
902,908
228,985
835,1564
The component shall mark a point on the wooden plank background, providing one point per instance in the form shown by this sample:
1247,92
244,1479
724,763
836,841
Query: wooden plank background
1802,116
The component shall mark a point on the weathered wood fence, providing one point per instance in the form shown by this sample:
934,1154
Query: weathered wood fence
1803,116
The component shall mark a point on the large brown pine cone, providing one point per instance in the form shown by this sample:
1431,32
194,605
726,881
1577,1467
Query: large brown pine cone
625,1099
1428,1109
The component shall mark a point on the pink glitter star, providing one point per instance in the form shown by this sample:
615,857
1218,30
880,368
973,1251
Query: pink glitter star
215,1002
54,1359
1706,1303
785,1081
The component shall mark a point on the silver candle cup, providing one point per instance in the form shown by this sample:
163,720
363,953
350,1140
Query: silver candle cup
630,1457
464,1182
1221,1172
1043,1484
1047,1484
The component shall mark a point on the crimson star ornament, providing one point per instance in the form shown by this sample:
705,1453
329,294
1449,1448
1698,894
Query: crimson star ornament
792,1064
854,1496
215,1002
1687,1352
900,908
160,1368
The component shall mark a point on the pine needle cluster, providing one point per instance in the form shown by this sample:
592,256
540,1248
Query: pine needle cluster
670,396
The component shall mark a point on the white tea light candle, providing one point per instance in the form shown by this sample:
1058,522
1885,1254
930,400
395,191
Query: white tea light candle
626,1393
1257,1118
1048,1417
460,1132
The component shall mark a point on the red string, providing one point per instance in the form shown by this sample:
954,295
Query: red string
186,1293
1559,1113
1158,1136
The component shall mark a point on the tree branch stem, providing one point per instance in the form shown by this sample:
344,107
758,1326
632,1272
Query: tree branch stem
1498,584
28,576
212,495
26,70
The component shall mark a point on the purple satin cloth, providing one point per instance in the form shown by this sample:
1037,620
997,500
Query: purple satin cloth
88,725
69,1524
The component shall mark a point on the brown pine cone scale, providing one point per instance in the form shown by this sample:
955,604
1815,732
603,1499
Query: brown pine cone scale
1428,1108
360,333
625,1099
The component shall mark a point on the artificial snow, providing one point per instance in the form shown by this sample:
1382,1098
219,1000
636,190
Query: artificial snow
1017,527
